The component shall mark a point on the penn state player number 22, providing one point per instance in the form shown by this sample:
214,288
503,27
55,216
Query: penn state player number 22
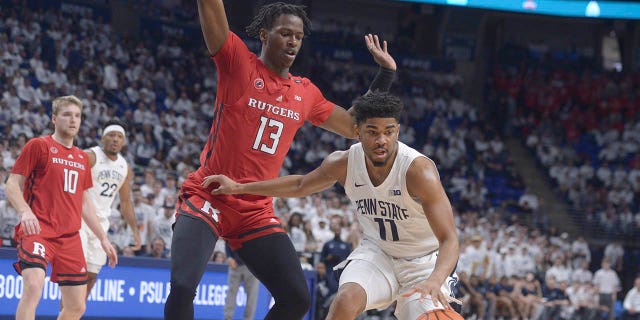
274,135
108,189
383,228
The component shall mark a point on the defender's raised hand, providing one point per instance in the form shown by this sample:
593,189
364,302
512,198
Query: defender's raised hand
379,52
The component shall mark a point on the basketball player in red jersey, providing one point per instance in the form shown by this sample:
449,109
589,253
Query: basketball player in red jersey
48,187
259,107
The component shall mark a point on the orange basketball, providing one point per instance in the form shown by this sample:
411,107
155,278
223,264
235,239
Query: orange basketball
447,314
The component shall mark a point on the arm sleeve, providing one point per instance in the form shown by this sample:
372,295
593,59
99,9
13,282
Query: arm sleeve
30,157
322,107
383,80
233,62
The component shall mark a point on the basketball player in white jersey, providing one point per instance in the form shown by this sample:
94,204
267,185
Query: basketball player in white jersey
410,244
111,175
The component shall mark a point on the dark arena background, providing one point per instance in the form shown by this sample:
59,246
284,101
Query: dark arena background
529,108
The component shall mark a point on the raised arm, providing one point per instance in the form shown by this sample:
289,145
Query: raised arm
332,169
341,121
213,21
423,182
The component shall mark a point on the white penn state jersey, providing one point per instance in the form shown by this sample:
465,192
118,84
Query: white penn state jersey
387,214
108,178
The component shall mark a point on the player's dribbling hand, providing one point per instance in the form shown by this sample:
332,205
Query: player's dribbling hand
226,185
379,52
111,252
429,288
29,222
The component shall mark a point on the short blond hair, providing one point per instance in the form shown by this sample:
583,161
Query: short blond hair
64,101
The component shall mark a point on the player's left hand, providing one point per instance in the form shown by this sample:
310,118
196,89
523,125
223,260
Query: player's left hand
379,52
111,252
429,288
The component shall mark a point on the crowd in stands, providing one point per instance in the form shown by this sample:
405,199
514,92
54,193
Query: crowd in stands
512,264
583,126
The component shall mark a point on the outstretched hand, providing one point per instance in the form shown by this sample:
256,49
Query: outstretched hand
226,185
379,52
429,288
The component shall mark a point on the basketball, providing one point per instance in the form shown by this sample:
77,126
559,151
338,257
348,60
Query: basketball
447,314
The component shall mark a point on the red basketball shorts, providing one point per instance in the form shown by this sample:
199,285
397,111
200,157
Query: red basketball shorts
64,253
233,225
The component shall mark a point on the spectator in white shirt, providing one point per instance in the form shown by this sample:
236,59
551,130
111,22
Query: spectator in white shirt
604,174
183,104
321,232
11,99
58,77
110,80
132,93
582,274
26,92
40,120
559,271
608,284
20,127
43,74
631,303
580,251
614,252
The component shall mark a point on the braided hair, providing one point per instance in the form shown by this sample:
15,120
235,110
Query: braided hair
267,14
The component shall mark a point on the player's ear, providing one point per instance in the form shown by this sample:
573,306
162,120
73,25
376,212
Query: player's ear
357,131
263,34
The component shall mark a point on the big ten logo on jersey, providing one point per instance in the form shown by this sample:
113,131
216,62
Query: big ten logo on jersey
208,209
38,249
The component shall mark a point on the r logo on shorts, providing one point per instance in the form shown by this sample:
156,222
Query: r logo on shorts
39,249
208,209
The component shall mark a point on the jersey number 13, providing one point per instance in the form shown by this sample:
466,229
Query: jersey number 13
274,136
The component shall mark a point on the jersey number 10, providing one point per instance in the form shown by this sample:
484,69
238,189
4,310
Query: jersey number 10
70,180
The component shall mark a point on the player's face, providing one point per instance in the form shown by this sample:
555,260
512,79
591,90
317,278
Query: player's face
379,138
113,142
67,120
283,41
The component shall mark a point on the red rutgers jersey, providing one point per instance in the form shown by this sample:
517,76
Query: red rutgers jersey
56,178
256,116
